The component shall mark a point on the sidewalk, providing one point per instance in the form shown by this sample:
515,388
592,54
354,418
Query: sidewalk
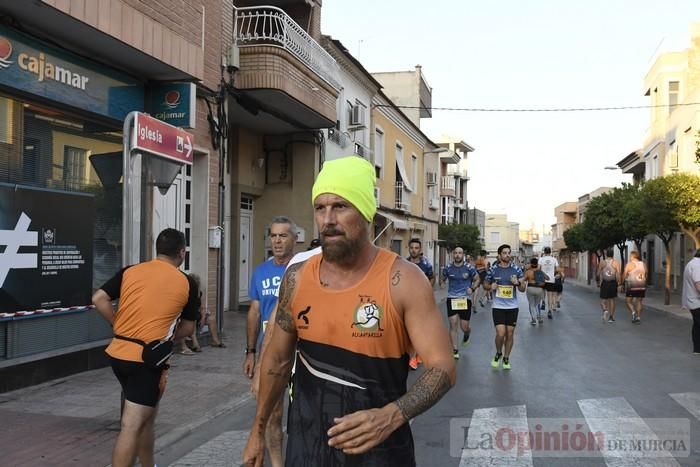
75,420
654,299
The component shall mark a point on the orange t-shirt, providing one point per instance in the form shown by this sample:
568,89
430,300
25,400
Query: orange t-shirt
153,295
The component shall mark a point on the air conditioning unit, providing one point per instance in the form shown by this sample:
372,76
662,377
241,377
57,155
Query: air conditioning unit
377,193
363,151
357,117
434,203
431,178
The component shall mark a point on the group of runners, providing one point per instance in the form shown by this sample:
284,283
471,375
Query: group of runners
612,278
472,281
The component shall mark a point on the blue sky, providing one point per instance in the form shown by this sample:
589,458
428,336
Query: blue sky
524,54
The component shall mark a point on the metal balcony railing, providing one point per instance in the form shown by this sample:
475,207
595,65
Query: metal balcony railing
448,182
271,26
403,197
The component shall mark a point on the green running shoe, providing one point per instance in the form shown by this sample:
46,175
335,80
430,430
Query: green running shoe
455,354
506,364
496,360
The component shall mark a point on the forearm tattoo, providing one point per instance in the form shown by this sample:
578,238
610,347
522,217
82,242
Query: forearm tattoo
425,392
284,314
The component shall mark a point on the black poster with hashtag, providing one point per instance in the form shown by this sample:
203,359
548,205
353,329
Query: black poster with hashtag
46,248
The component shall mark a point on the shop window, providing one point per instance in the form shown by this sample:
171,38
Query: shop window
74,160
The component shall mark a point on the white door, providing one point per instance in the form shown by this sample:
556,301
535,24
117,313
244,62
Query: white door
174,209
245,269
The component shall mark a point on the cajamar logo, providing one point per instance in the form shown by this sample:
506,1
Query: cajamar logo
172,99
368,318
5,52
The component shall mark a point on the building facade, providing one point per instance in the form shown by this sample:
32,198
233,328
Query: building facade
499,231
62,114
566,215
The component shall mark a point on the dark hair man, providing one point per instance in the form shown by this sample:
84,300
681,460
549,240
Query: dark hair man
263,292
153,297
504,278
351,313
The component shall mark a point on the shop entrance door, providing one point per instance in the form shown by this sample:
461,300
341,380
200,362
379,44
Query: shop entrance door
246,230
174,210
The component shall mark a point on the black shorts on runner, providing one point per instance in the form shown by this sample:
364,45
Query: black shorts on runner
558,285
635,293
608,289
509,317
140,384
464,315
550,286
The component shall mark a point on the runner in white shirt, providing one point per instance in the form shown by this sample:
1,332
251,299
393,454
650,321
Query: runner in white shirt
549,266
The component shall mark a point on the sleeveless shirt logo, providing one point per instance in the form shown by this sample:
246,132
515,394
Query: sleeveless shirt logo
368,318
302,316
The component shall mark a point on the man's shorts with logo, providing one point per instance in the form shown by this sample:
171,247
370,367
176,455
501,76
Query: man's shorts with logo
502,316
461,306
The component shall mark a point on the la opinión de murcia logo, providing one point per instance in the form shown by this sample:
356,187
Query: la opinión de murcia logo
172,99
5,52
13,240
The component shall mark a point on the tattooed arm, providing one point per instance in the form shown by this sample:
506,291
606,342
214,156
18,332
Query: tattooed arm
275,366
414,300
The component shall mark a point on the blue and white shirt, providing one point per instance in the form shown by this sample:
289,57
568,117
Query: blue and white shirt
460,279
505,294
424,266
264,287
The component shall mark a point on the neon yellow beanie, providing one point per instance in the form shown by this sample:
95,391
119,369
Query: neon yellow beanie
352,178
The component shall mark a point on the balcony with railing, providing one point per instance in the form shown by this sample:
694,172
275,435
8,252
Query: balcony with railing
403,197
447,186
284,68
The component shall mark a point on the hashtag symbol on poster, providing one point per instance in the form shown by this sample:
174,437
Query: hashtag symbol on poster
13,240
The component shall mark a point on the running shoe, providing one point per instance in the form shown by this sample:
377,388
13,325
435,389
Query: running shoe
474,310
506,364
455,354
533,322
634,316
540,320
606,315
549,315
496,359
413,363
465,342
611,320
637,320
481,302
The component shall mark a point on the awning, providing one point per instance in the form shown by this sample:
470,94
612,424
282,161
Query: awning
402,171
400,224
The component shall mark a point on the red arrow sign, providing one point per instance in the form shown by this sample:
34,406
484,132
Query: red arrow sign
159,138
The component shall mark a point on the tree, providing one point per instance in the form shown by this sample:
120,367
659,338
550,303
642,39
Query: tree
656,195
603,223
634,222
684,202
575,240
697,148
462,235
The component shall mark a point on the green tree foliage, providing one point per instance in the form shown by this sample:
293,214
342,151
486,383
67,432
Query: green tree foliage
462,235
659,214
603,221
634,221
684,203
575,238
697,148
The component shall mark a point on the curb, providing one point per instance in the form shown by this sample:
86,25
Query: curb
180,432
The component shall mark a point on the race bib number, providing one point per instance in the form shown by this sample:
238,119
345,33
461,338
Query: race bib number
460,304
264,326
504,291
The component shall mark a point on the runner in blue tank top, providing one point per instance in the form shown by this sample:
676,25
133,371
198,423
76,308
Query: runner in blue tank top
505,278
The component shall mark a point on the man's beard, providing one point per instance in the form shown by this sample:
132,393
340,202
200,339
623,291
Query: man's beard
341,251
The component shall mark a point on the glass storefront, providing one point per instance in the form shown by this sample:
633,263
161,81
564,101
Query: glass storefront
52,155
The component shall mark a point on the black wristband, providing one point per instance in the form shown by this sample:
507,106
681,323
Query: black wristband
249,350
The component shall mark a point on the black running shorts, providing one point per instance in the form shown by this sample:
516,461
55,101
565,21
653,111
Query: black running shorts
140,384
550,286
464,315
508,317
608,289
636,293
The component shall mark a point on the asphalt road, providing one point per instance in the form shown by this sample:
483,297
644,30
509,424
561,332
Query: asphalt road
582,391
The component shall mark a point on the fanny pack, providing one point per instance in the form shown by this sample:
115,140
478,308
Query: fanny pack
155,354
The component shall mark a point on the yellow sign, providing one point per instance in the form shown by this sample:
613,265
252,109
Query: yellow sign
459,304
504,291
